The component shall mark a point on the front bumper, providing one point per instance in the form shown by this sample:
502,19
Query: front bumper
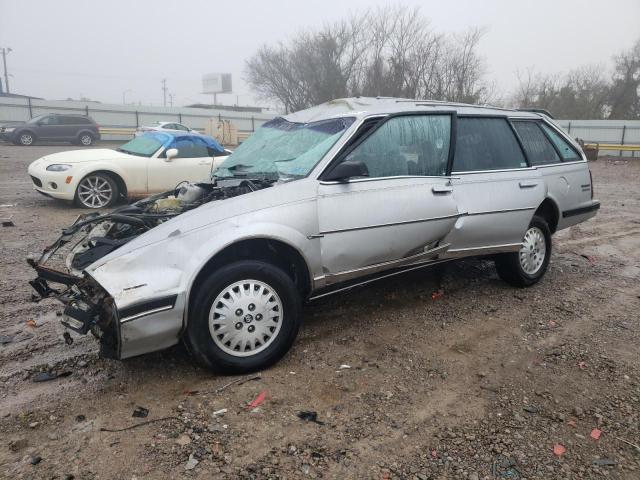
60,185
7,136
143,327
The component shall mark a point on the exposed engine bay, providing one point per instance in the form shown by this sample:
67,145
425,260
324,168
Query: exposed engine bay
94,235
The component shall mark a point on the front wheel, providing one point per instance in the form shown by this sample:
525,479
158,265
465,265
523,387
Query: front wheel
527,266
97,190
26,139
245,317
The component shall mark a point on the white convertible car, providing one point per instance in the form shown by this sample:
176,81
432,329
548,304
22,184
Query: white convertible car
151,163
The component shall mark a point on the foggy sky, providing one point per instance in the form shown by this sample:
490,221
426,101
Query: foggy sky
99,49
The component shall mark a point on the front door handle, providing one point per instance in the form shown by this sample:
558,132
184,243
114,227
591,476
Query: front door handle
439,190
205,162
528,184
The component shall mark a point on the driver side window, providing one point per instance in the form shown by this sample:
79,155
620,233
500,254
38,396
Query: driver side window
411,145
191,148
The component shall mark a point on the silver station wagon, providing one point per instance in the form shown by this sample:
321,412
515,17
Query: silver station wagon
313,203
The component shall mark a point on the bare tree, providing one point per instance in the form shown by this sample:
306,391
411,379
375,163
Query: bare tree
389,51
625,91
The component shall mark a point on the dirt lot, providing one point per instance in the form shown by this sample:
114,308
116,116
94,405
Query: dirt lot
481,382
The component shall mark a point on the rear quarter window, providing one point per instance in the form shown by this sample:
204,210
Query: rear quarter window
567,152
535,143
486,144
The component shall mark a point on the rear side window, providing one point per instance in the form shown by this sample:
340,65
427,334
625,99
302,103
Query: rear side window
74,120
566,151
486,144
538,148
408,145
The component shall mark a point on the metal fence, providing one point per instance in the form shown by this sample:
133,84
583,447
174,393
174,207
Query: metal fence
618,132
113,116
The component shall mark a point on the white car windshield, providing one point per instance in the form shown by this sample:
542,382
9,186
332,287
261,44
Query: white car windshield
145,145
284,150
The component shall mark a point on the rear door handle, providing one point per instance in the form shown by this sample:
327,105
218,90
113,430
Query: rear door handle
528,184
441,189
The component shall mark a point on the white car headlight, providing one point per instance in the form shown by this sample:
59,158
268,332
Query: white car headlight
58,167
9,129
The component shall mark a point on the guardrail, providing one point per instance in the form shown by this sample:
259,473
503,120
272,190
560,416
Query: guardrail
613,146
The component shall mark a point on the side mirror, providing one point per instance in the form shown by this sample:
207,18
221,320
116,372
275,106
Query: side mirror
171,154
346,170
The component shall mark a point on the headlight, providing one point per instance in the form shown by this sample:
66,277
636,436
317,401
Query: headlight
57,167
9,129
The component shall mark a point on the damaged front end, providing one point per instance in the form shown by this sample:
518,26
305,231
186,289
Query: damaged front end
61,269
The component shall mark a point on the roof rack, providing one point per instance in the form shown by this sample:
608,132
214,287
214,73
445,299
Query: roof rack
536,110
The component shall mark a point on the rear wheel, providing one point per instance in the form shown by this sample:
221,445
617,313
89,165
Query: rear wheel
527,266
245,317
97,190
85,139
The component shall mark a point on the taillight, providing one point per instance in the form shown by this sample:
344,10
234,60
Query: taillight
591,182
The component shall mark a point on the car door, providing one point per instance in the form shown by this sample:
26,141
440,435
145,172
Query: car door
401,211
193,163
50,128
495,187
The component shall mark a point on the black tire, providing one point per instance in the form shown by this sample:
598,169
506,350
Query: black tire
80,199
85,139
199,340
509,265
25,138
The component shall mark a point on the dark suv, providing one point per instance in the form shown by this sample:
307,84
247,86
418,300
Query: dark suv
77,129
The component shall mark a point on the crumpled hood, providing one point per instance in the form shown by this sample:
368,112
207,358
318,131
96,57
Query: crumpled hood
230,209
84,155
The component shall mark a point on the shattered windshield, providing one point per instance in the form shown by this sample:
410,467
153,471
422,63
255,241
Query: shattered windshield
283,149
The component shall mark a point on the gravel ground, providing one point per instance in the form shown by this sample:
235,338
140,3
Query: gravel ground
481,382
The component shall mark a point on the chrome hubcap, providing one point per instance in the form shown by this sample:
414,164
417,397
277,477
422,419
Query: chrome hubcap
86,140
245,318
94,192
26,139
533,251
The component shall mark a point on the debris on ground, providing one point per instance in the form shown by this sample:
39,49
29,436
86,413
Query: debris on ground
140,412
191,463
595,433
48,376
256,402
436,295
309,416
559,450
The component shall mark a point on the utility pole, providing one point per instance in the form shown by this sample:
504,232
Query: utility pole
164,92
171,99
5,52
124,94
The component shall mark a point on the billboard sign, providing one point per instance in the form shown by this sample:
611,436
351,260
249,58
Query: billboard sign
216,83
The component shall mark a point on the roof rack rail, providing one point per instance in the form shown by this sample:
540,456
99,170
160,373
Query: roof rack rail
536,110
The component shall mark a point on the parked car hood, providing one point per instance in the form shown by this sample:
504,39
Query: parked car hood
84,155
